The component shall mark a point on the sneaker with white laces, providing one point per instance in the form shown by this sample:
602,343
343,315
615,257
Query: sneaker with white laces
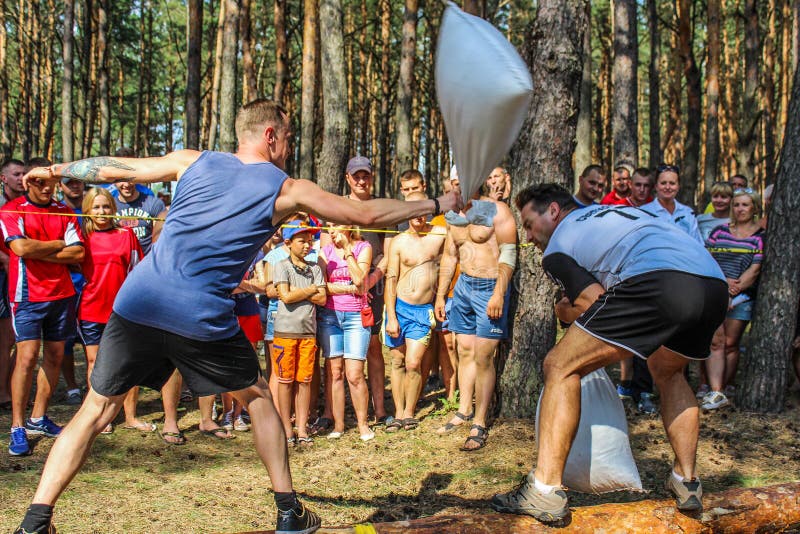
298,520
45,427
227,421
240,426
18,444
688,493
714,400
526,499
702,391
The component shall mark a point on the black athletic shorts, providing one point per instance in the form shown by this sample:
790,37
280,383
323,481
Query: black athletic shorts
678,310
132,354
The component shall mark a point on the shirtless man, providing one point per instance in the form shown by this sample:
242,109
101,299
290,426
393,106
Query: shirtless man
487,256
410,281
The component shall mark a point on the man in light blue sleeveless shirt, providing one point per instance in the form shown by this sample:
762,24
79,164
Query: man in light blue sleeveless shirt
633,285
175,311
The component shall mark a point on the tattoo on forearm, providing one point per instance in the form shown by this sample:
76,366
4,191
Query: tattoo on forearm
86,170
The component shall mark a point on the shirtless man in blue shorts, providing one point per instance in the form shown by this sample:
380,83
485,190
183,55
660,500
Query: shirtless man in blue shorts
225,208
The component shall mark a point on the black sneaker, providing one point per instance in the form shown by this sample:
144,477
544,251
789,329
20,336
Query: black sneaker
49,530
298,520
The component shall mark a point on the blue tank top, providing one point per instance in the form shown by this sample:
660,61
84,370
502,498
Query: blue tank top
220,217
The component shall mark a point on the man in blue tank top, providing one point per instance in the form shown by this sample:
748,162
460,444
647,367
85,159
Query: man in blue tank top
634,285
175,310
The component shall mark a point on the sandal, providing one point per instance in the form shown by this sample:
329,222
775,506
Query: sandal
394,426
479,438
218,433
143,427
411,423
305,441
109,429
173,438
320,425
450,427
291,442
383,420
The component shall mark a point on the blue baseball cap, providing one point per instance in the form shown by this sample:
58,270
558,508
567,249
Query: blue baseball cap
295,227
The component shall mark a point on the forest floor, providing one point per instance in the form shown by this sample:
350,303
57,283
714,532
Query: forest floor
134,482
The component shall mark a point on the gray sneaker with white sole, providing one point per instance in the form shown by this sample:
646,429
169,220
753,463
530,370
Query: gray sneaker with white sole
688,494
526,499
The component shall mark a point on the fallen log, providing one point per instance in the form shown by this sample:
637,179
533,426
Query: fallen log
769,509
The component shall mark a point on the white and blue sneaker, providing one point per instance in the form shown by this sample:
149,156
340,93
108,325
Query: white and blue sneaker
18,444
44,427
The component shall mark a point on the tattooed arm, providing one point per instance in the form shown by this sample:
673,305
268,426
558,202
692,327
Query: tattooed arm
106,169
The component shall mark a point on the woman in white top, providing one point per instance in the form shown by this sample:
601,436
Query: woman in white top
665,205
721,196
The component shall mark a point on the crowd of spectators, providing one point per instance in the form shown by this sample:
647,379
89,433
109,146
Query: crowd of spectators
314,300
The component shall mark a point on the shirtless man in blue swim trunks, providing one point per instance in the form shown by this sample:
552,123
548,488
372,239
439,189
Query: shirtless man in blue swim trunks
225,208
408,321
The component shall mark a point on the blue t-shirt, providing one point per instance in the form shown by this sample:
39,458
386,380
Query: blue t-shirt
220,217
146,206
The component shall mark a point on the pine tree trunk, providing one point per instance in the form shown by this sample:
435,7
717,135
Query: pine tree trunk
281,52
383,121
308,97
194,16
773,328
227,84
48,84
748,125
250,86
768,102
140,92
583,131
91,95
332,158
405,87
694,110
35,98
215,84
67,153
654,84
786,69
712,96
625,116
475,7
554,51
6,143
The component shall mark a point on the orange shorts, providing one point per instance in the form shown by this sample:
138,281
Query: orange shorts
251,326
293,359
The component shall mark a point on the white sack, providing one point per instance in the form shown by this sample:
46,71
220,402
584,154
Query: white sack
484,89
600,459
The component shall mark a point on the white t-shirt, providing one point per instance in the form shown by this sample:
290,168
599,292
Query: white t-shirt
610,244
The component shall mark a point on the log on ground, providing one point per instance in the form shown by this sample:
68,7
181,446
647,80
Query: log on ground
768,509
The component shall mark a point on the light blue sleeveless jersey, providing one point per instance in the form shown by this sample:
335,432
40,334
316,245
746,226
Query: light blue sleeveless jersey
615,243
220,217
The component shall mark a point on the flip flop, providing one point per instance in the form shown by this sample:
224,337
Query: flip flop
178,436
450,427
218,433
146,427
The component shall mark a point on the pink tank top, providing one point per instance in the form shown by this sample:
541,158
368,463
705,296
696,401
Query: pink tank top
337,272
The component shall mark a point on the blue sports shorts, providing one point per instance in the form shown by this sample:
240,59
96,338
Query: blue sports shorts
91,332
52,320
468,313
415,321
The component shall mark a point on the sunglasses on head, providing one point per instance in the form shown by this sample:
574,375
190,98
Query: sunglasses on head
668,168
745,191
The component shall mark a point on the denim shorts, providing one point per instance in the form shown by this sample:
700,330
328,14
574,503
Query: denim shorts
743,312
341,334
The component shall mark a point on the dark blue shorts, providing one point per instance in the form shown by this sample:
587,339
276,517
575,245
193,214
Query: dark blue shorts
468,313
91,332
415,322
51,321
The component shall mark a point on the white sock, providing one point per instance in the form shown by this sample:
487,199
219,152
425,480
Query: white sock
71,391
36,419
676,476
544,488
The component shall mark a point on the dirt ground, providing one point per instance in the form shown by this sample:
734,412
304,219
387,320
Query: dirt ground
134,482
